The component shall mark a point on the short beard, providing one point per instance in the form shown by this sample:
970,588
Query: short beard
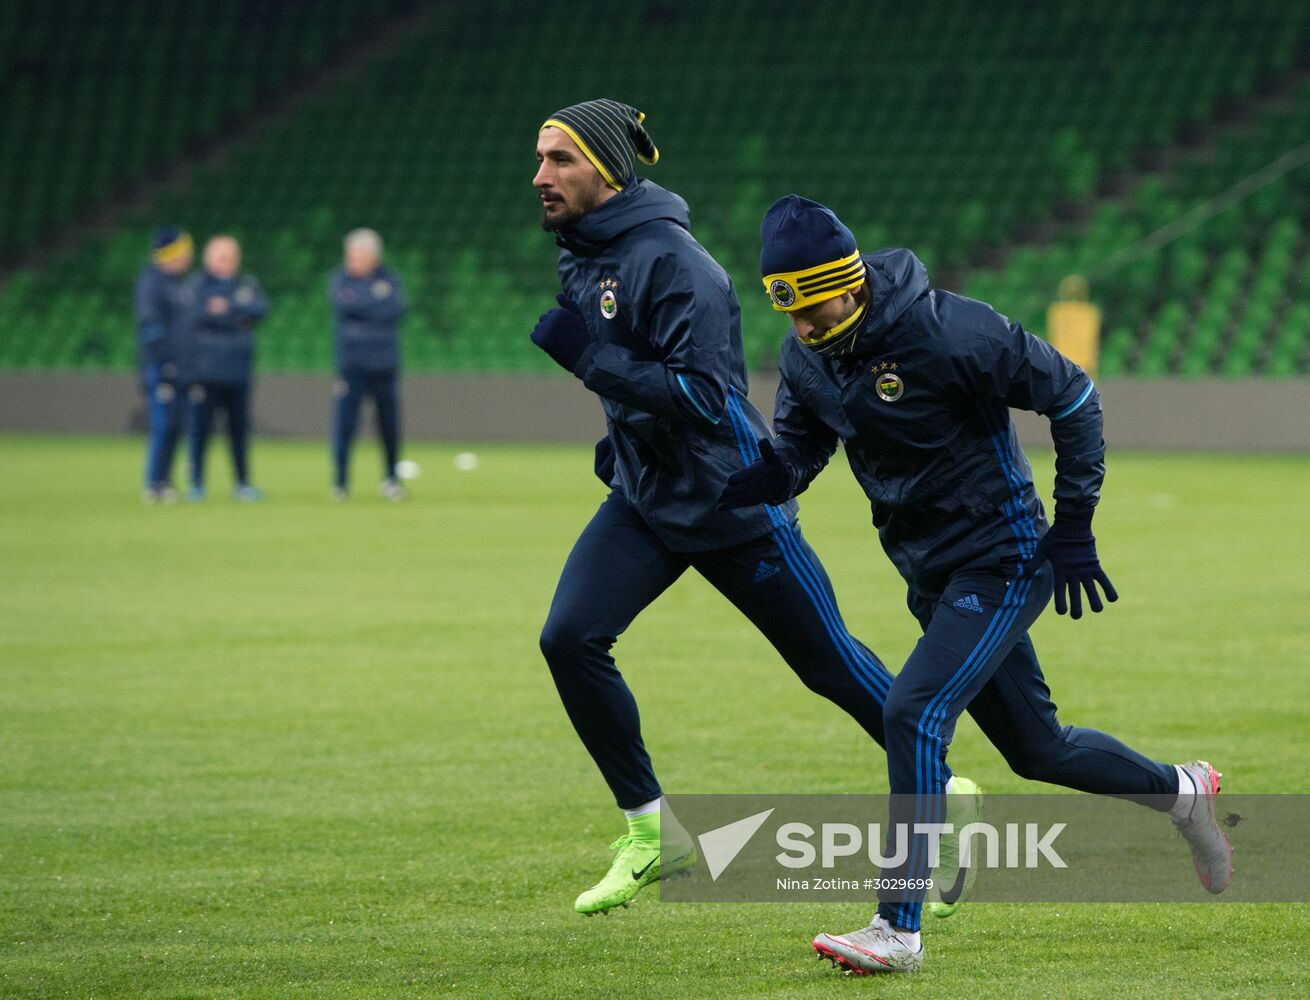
554,223
586,203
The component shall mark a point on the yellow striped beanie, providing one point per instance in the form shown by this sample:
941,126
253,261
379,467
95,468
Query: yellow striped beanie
610,135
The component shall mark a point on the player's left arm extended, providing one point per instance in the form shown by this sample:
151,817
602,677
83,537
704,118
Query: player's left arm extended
1029,374
687,323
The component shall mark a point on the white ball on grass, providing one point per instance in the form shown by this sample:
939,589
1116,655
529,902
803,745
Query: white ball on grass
466,461
408,470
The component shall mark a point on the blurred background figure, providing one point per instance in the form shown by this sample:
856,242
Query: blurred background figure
368,301
1073,324
159,330
223,307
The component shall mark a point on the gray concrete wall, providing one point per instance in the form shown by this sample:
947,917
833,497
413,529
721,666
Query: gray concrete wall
1217,414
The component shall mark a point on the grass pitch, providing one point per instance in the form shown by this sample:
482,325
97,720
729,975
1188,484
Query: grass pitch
306,750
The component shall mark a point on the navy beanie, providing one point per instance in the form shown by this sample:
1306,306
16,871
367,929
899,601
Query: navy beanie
806,254
164,236
168,243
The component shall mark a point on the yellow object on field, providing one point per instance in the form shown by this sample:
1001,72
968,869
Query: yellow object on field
1073,325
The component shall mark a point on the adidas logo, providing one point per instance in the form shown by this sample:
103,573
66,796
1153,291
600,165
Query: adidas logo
765,570
969,603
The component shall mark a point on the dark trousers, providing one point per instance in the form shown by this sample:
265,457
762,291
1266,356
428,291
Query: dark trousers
619,566
354,386
166,413
233,398
976,653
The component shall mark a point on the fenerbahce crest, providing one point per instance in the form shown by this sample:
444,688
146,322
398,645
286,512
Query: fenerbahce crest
609,303
782,293
887,383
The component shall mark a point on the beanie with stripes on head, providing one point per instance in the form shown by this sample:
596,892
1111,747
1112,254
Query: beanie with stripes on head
170,243
808,256
610,135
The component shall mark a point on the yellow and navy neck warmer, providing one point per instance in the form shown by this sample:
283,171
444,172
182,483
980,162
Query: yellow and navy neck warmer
610,135
841,338
169,243
806,257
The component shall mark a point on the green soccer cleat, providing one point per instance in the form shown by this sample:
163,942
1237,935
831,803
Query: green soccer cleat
951,884
637,864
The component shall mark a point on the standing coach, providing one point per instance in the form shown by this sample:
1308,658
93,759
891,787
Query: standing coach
224,306
368,302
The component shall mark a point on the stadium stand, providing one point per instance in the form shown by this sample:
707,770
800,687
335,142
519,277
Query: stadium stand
1229,297
96,94
944,134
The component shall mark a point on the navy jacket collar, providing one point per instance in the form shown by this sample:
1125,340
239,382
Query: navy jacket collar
897,280
640,202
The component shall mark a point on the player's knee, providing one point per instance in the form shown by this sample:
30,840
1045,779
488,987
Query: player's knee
562,642
901,713
1033,764
823,682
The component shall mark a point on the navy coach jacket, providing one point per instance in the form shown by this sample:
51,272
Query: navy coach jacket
922,404
666,360
159,319
222,345
368,311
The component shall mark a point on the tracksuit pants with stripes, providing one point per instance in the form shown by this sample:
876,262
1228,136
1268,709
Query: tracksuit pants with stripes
975,653
619,566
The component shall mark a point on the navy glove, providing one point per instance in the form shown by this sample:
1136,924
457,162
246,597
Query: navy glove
766,480
605,461
1071,548
562,333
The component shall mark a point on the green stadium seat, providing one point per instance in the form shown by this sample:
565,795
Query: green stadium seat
971,150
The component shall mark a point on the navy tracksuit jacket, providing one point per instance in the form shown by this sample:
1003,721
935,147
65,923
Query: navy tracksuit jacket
367,313
160,321
222,344
221,359
666,362
922,406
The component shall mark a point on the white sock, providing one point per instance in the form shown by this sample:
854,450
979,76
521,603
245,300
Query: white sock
646,810
909,938
1186,794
